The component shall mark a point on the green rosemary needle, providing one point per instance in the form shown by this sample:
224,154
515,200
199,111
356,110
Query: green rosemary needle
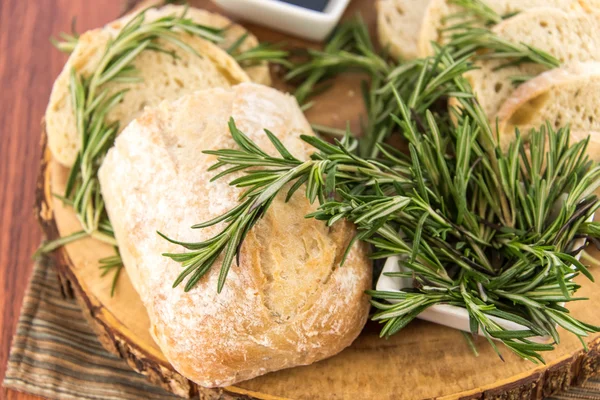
260,53
66,42
475,10
114,264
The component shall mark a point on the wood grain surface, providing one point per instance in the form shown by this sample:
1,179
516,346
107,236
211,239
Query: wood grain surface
28,66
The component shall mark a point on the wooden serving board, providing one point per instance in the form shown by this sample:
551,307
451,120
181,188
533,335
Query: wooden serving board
422,361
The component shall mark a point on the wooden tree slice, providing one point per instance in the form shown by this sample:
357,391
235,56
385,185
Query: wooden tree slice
423,361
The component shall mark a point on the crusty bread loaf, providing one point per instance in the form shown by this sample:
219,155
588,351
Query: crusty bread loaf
164,78
568,95
258,73
399,24
289,302
567,36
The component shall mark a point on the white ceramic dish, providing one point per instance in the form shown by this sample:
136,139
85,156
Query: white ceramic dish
451,316
296,20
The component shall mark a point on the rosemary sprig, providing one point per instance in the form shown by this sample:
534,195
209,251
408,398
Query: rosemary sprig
92,101
350,47
468,39
264,184
475,10
66,42
167,23
114,264
260,53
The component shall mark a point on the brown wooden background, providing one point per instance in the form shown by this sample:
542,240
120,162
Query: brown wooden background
28,66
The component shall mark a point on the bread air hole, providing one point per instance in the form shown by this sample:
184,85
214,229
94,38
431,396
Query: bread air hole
498,87
543,24
399,9
524,114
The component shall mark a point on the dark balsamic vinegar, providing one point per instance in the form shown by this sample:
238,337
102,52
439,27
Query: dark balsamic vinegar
316,5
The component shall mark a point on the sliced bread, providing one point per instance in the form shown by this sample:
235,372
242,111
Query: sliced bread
438,10
164,78
258,73
567,36
399,24
568,95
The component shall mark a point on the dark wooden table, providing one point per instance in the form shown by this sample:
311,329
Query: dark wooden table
28,66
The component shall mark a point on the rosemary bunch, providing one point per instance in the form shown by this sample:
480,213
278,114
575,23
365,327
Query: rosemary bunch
458,252
494,233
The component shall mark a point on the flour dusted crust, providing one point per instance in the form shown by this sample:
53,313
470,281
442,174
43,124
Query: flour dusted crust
258,73
289,302
164,78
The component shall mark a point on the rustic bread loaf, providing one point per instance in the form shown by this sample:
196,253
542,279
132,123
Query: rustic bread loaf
258,73
568,95
164,78
438,10
289,302
567,36
399,24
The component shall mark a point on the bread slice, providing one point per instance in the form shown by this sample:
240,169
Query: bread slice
258,73
437,10
164,78
288,302
399,24
567,36
568,95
